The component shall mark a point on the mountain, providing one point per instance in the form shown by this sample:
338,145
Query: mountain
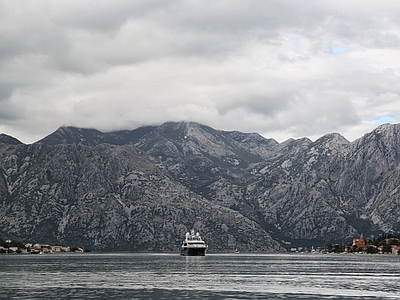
370,176
90,137
109,197
6,139
143,189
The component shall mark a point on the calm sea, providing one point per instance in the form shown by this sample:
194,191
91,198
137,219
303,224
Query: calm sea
215,276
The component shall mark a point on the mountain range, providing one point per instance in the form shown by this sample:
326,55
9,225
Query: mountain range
142,189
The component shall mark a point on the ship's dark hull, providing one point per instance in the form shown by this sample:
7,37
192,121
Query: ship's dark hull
193,251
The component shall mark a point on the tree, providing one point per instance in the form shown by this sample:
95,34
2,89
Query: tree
328,246
337,248
387,248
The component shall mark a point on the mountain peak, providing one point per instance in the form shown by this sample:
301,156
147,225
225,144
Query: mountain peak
7,139
333,141
73,135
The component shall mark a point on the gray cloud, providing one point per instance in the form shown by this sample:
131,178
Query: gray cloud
5,91
282,68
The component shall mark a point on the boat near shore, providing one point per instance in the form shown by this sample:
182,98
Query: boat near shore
193,245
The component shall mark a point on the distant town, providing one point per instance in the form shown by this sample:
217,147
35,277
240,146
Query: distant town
384,244
11,246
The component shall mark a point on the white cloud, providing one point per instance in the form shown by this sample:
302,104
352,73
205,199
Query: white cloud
281,68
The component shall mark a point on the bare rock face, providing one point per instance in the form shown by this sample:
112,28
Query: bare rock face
370,177
113,198
141,190
329,189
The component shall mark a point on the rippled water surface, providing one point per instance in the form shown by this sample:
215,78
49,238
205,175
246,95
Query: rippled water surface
215,276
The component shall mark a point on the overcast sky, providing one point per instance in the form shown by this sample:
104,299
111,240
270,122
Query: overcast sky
284,68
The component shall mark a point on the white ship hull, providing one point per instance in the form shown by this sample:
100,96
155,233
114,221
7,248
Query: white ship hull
193,245
186,251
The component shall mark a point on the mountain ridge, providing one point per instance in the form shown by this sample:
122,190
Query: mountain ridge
327,189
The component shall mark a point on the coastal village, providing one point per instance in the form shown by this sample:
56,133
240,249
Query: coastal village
11,246
385,244
391,245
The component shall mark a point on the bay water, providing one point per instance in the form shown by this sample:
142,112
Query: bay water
214,276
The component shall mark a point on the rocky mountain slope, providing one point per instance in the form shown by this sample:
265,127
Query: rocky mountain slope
110,197
143,189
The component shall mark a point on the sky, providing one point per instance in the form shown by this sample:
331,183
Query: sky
282,68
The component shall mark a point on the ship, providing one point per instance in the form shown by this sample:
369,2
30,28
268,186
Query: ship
193,245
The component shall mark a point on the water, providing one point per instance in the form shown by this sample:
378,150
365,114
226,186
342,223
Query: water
215,276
